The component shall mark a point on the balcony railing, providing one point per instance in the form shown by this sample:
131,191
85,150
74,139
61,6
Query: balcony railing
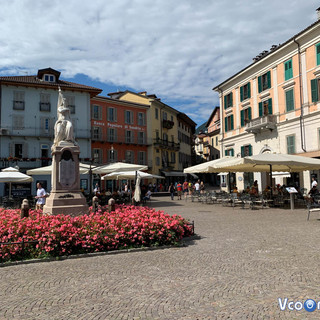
167,124
119,139
166,144
268,122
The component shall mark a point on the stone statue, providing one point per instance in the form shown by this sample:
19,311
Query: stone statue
63,128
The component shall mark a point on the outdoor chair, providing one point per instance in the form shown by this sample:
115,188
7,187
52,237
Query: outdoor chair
313,205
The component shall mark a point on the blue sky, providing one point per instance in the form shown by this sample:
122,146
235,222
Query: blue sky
178,50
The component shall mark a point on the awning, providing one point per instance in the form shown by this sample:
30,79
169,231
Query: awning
174,174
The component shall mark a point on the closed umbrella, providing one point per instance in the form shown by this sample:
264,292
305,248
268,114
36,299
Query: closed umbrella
137,190
12,175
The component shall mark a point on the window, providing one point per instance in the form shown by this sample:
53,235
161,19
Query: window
228,100
112,135
245,92
17,122
18,100
291,144
96,112
246,150
112,115
141,119
229,152
318,53
172,118
96,133
45,102
128,117
289,100
217,141
18,150
229,123
97,155
165,116
173,157
165,138
141,139
264,82
245,116
265,107
157,135
142,157
156,110
71,104
129,156
112,155
45,126
49,78
157,161
315,89
288,70
129,136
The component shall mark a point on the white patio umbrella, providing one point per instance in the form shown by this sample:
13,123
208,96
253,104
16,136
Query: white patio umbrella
137,190
119,167
47,170
12,175
129,175
207,167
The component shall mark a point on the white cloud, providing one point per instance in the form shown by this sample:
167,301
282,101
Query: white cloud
177,49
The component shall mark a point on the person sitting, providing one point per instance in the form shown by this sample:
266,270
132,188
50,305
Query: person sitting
147,196
313,192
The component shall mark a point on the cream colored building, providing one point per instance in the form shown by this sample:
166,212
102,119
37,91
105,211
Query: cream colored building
273,105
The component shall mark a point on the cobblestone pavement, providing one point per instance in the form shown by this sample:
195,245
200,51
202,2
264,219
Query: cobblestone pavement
244,261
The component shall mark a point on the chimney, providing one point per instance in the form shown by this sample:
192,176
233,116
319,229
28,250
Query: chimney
318,13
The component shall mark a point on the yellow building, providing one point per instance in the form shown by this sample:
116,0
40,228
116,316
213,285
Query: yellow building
162,132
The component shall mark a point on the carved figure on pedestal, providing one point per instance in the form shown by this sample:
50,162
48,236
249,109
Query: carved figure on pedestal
63,128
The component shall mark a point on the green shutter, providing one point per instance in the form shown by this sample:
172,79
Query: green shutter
225,124
232,126
225,152
288,70
249,113
250,150
291,144
242,118
259,84
241,93
260,109
269,79
270,106
242,151
249,90
314,90
289,100
231,99
232,152
225,102
318,53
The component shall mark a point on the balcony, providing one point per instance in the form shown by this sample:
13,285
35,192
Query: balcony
257,125
167,124
165,144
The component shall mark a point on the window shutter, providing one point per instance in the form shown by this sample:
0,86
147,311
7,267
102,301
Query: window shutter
241,93
270,106
250,149
231,117
225,102
242,151
226,124
249,90
115,114
249,113
269,79
231,99
242,118
131,117
92,113
314,90
11,149
289,100
226,152
232,152
100,113
260,109
318,53
259,84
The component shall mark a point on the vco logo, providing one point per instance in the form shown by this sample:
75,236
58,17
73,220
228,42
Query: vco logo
309,305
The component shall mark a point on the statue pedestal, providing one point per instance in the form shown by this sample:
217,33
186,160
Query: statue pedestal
65,196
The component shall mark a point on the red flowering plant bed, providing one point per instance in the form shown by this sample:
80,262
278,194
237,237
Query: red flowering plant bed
126,227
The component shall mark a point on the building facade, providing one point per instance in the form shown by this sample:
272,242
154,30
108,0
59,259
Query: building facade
273,106
28,114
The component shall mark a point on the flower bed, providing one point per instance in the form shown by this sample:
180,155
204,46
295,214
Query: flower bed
126,227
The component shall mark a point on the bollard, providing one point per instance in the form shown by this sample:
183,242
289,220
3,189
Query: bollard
111,204
95,204
25,208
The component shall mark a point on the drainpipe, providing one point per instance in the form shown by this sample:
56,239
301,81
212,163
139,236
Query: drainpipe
221,122
302,129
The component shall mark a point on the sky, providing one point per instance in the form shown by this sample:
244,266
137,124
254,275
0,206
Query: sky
178,50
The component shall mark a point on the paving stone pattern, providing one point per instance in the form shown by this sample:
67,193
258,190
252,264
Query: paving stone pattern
244,261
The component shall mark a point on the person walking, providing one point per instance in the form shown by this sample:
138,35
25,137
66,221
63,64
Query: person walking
185,189
171,190
179,190
41,197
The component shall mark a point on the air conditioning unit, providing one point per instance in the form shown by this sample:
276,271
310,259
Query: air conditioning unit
4,132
